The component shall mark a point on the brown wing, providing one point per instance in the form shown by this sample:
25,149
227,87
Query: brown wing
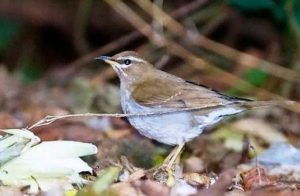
180,94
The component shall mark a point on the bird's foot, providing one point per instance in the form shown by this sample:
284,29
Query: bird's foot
164,174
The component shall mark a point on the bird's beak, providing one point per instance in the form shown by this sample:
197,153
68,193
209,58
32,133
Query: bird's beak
106,59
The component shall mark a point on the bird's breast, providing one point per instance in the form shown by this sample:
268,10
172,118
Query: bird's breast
172,128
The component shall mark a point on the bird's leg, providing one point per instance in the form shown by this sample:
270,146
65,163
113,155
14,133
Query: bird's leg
175,153
167,159
165,173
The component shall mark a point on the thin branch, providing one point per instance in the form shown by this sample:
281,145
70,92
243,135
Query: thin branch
246,105
180,51
130,37
80,25
50,119
206,43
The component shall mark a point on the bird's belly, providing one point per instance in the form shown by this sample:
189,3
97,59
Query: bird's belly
171,129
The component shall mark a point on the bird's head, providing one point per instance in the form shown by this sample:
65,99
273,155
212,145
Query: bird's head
129,65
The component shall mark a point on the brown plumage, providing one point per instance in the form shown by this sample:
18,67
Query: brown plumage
146,89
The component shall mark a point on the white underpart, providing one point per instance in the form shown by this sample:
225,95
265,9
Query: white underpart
219,113
171,129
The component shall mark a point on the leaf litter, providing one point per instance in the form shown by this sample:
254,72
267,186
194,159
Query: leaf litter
210,165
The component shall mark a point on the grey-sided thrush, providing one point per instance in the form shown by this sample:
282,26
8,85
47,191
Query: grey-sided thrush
145,89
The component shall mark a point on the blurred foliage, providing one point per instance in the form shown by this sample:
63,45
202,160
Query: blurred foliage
276,8
296,11
8,31
49,43
279,9
29,71
255,76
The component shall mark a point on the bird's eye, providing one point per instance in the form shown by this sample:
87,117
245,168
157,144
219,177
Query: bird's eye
127,62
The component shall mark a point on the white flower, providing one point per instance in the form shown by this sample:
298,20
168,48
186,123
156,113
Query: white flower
46,164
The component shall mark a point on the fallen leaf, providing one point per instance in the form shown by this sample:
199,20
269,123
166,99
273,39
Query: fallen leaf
255,177
196,179
126,189
152,188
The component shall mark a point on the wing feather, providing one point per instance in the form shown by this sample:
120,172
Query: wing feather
179,94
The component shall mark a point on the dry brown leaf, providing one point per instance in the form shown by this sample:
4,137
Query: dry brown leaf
138,174
275,190
221,185
126,189
196,179
255,177
152,188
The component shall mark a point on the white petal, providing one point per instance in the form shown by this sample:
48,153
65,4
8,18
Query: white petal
18,137
59,149
21,133
22,169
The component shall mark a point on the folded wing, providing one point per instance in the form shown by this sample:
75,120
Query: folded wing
180,94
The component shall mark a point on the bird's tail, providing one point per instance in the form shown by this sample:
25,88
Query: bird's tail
259,104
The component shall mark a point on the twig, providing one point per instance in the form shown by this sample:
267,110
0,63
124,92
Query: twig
80,25
180,51
147,31
130,37
202,41
50,119
114,45
158,25
256,164
189,7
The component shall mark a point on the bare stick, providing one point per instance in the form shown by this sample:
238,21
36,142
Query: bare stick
130,37
256,164
178,50
50,119
202,41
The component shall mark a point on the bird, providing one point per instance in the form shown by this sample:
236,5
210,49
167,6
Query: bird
182,109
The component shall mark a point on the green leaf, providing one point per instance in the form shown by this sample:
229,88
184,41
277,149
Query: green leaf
8,31
30,71
277,8
296,9
255,76
252,5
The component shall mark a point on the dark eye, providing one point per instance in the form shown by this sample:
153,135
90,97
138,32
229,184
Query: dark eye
127,62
